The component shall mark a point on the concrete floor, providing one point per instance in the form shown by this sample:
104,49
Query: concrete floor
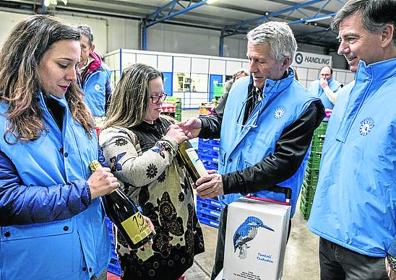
301,259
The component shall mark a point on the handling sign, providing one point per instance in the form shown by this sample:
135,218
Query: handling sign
311,60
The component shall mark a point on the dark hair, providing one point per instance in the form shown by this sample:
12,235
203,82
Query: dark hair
86,31
131,96
375,14
19,83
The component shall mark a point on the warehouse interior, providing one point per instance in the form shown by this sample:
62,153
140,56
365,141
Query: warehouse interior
198,45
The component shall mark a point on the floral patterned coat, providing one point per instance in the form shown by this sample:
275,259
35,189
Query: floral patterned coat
145,162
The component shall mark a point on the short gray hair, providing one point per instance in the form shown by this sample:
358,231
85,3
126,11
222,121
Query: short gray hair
278,35
86,31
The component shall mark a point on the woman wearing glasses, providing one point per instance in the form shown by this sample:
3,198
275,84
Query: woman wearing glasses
141,147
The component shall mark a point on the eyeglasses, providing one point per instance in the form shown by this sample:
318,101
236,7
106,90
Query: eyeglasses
157,98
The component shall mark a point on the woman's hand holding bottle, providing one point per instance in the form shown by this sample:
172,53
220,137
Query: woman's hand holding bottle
102,182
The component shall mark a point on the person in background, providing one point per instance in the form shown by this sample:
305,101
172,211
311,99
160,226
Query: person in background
354,206
227,87
268,120
326,87
94,75
239,74
141,147
51,216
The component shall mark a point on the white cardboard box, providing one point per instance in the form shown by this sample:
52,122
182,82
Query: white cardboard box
255,240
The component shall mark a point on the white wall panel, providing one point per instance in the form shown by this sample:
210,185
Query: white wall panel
199,65
350,76
97,25
245,65
8,21
164,63
113,61
232,67
128,59
147,59
313,74
181,64
217,66
339,76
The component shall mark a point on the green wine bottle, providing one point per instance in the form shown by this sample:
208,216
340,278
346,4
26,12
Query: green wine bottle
125,215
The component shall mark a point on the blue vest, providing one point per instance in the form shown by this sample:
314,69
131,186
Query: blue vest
316,90
355,200
69,249
95,90
245,145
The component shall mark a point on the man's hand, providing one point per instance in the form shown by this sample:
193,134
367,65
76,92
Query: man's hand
191,127
323,83
176,133
210,186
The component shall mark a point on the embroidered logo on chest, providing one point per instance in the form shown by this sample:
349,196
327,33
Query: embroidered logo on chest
279,112
97,87
366,126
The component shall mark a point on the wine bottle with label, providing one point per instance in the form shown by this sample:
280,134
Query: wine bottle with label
190,159
125,214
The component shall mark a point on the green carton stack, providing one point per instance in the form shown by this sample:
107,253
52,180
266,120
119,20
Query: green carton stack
178,113
312,173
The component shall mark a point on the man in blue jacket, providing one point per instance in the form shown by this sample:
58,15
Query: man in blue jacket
94,75
354,210
326,87
265,129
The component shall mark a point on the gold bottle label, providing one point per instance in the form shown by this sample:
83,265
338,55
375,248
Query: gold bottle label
94,165
192,154
136,228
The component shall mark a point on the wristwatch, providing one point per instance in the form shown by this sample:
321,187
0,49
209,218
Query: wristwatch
392,262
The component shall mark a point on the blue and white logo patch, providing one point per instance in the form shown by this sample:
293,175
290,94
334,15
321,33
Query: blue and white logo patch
97,87
366,126
279,112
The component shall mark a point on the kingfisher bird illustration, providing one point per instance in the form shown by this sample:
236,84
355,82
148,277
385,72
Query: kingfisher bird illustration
245,233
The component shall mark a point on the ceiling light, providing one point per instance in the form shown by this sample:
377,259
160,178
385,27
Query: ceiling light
48,3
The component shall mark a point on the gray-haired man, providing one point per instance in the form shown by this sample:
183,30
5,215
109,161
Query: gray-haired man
269,119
